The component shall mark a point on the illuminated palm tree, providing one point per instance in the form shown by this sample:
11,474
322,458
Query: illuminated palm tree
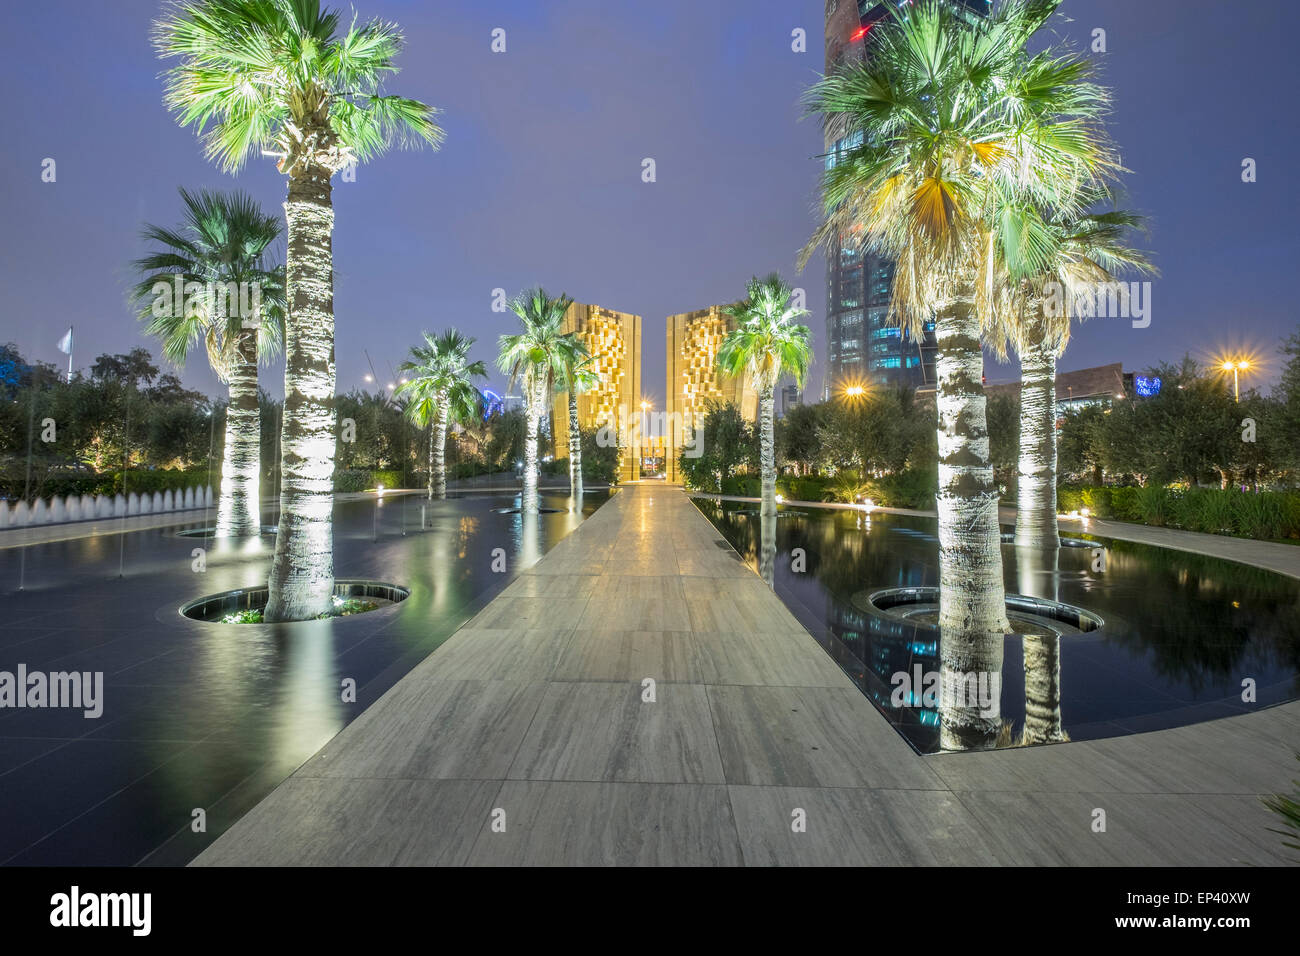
579,376
208,281
1082,252
765,344
536,358
946,121
440,391
278,78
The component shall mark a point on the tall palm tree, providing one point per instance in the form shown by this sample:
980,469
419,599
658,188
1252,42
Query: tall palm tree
440,391
232,300
278,78
954,119
536,358
765,344
1075,255
579,376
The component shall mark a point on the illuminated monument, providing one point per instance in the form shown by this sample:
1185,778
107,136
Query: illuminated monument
693,379
614,341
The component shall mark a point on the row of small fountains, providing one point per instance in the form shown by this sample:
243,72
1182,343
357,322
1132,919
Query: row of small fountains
85,507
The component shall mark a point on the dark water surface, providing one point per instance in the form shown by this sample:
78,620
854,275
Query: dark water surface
214,716
1181,631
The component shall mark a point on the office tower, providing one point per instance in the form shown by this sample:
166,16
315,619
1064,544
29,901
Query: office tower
862,345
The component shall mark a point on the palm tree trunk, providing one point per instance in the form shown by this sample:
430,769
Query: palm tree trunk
533,417
972,601
430,496
1038,574
440,452
575,448
767,448
1036,469
239,509
302,574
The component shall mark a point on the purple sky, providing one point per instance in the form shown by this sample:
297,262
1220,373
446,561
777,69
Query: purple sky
539,179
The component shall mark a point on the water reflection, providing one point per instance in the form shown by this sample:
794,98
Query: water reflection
209,715
1181,631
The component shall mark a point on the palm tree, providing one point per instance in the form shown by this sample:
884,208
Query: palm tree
440,391
233,302
1081,252
764,345
579,376
277,78
952,120
536,358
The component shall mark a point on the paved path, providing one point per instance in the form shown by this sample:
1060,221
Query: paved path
526,739
1273,555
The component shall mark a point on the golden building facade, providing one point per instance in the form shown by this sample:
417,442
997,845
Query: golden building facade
614,341
693,378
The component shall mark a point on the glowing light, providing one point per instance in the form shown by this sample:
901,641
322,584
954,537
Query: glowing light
380,491
368,377
780,498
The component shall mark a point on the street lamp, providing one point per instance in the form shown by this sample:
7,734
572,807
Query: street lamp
1236,368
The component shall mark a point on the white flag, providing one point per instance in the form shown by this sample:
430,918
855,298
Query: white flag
65,343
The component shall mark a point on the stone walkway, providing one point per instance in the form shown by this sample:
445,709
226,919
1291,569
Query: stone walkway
532,737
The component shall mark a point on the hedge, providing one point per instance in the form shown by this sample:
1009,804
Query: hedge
365,479
1246,514
141,481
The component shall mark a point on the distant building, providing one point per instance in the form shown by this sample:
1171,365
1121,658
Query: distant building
693,340
614,341
862,346
789,399
1087,386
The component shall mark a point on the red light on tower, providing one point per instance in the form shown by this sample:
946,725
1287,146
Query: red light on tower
859,33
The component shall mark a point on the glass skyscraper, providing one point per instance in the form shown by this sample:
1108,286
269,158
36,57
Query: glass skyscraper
862,345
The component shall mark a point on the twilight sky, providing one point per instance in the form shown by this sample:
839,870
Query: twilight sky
539,180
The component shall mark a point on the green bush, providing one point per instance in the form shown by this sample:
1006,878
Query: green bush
1262,515
140,481
746,486
910,488
801,489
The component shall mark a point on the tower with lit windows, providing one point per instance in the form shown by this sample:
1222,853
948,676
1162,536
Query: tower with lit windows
862,345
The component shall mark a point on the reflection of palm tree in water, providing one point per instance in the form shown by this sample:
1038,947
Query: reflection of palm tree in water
1037,573
767,553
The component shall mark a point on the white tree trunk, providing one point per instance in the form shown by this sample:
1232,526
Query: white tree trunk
1037,571
430,495
533,418
575,449
1036,469
239,507
439,479
767,448
302,574
972,600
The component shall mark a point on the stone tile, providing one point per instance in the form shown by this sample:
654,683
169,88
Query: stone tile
605,655
509,654
433,729
528,612
845,827
552,823
811,737
310,821
603,732
783,659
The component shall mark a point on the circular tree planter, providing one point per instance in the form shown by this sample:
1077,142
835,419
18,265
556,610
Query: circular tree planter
351,597
780,513
267,529
1028,615
520,511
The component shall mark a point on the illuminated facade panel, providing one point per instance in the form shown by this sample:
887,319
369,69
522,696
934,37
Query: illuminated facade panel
614,341
693,379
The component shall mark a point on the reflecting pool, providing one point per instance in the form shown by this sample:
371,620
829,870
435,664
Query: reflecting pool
202,720
1183,637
